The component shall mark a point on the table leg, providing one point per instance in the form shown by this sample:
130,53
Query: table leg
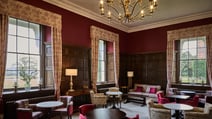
177,114
114,102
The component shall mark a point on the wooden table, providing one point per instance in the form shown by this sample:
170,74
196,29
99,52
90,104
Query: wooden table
177,107
47,106
105,113
114,94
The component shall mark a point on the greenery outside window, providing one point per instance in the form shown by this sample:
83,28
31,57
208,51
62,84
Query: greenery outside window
102,62
191,60
24,54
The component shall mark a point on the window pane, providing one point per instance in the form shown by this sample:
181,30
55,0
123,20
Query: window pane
11,44
22,28
192,53
201,42
201,53
12,26
192,43
183,44
34,62
23,61
34,46
10,78
23,45
184,54
102,76
101,55
11,62
101,45
34,31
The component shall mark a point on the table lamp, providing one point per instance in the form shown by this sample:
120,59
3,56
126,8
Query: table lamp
130,74
71,72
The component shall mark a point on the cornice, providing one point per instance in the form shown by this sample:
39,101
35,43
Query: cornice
65,4
171,21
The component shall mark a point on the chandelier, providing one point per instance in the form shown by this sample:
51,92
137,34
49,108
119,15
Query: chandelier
127,11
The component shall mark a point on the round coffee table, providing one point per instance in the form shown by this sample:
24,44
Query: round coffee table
177,107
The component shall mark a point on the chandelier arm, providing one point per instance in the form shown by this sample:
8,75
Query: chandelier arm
122,3
115,9
134,8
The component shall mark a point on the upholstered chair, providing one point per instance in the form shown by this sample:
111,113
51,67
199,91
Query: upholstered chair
83,109
66,108
27,111
161,98
200,113
157,111
98,98
193,102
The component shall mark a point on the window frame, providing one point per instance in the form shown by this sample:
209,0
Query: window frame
40,54
177,62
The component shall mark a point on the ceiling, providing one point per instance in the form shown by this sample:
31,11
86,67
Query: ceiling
168,12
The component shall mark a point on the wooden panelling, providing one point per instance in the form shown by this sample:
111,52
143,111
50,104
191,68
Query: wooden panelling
77,58
149,68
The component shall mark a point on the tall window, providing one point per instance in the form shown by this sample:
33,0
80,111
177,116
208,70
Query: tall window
192,60
23,53
102,62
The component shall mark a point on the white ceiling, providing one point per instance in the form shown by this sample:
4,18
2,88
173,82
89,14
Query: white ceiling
168,12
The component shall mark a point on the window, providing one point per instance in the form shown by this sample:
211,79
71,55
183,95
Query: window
23,53
192,60
102,62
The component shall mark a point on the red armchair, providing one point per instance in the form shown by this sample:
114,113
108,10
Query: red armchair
161,98
27,111
83,109
193,102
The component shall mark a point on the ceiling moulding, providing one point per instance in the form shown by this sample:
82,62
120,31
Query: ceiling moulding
65,4
86,13
171,22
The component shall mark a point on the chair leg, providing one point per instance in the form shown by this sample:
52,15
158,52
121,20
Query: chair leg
61,116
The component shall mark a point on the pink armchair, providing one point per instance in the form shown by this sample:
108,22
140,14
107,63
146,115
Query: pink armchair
83,109
193,102
161,98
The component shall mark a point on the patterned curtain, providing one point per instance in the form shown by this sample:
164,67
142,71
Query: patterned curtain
205,30
3,49
97,34
17,9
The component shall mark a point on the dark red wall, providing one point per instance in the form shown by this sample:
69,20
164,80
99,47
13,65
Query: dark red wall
76,31
76,28
155,40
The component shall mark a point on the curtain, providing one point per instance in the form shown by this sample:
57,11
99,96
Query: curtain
3,49
17,9
204,30
96,34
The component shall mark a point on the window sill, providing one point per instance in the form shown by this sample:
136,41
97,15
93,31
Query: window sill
24,91
194,87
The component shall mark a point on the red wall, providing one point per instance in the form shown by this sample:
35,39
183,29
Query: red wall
155,40
76,31
76,28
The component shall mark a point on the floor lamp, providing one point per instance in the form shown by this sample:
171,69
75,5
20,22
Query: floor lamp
130,74
71,72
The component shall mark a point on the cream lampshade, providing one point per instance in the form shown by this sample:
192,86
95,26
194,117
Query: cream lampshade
130,74
71,72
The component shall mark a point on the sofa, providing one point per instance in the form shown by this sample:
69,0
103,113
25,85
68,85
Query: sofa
142,92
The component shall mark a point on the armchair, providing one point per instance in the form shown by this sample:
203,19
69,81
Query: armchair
27,111
83,109
193,102
200,113
157,111
98,98
161,98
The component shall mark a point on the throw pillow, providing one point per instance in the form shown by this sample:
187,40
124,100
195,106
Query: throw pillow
153,90
139,89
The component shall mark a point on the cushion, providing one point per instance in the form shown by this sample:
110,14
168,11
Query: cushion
153,90
139,89
147,89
